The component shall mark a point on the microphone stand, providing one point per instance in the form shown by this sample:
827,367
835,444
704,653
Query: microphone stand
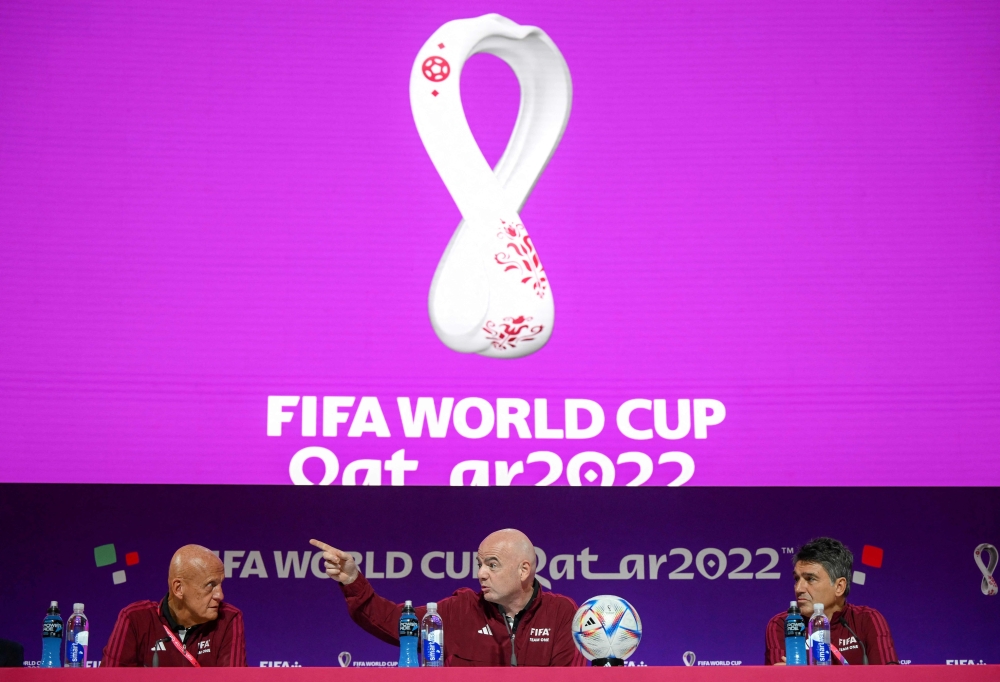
864,649
156,650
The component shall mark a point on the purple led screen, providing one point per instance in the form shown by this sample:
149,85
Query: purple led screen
776,220
720,567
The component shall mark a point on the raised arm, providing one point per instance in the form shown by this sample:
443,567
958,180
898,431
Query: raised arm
339,564
376,615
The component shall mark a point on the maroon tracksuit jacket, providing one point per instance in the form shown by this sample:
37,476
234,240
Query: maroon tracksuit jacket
216,643
475,632
868,623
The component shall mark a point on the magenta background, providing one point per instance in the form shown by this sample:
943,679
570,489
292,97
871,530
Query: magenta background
791,209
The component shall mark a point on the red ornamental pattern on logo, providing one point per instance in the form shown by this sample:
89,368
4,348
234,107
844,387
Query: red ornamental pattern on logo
520,256
511,332
436,69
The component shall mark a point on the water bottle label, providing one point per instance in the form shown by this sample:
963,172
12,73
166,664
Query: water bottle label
52,628
74,652
795,628
409,628
433,646
83,638
820,645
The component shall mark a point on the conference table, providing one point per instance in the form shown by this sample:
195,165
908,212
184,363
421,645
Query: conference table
908,673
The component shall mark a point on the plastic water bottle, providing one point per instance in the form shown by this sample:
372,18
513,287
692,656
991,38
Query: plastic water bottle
77,638
795,637
52,632
409,633
432,637
819,637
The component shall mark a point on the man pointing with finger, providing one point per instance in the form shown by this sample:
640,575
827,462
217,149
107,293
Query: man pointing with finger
510,621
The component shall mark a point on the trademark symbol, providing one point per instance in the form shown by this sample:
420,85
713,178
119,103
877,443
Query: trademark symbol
788,550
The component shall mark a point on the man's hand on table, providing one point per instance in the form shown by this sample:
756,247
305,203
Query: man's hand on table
339,565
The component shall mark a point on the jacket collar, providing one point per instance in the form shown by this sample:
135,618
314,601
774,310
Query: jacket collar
532,605
169,616
845,613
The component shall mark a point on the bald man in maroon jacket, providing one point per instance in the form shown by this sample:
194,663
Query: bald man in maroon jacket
191,627
511,621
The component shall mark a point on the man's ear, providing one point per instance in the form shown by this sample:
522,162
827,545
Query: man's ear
177,588
840,587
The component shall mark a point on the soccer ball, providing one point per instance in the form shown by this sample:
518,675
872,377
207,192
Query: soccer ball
435,69
606,627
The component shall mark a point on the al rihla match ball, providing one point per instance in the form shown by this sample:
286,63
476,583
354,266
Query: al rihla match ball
606,627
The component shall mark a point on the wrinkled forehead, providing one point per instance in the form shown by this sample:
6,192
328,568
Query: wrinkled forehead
803,568
492,547
204,569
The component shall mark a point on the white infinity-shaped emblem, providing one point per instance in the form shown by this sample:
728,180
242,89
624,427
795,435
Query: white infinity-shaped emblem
989,584
490,294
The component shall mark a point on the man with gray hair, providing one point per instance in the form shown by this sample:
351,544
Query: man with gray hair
859,635
511,621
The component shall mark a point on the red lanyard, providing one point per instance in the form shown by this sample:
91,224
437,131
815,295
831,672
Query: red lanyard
840,656
180,647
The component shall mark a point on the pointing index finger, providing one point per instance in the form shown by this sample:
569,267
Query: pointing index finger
323,546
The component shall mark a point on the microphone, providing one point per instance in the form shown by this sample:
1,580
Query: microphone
156,650
864,650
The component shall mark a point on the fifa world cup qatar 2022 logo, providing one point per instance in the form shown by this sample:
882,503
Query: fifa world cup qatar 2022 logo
989,583
490,294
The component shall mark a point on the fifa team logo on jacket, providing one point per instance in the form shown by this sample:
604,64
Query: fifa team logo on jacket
539,634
